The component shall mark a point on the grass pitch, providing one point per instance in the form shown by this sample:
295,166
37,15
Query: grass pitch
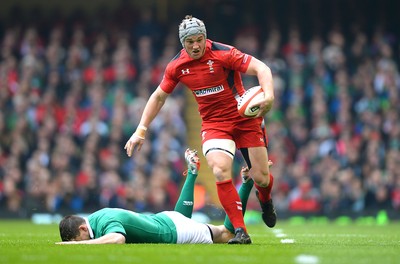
289,242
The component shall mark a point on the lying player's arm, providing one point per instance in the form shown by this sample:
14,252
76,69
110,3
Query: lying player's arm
111,238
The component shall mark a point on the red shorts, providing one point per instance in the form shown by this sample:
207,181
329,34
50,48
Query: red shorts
245,133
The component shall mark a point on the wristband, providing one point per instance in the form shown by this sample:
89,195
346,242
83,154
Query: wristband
141,132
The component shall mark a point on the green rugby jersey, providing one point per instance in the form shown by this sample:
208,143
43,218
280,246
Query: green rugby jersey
137,228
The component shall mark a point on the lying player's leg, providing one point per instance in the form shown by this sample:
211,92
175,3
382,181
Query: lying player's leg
185,202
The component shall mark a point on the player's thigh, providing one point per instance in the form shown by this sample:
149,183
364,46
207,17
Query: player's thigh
219,150
218,139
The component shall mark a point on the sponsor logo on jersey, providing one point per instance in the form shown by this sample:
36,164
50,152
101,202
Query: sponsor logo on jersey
185,71
208,91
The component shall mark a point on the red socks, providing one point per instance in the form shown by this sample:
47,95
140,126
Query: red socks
264,193
231,203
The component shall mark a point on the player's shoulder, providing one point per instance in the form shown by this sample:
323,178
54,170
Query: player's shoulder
179,58
105,210
218,46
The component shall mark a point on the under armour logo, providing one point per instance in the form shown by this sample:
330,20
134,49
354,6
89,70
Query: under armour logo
210,64
185,71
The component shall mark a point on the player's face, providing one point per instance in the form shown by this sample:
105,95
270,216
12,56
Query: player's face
195,46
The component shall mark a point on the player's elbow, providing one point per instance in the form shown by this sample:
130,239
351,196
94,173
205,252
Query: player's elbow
120,240
266,71
259,68
117,238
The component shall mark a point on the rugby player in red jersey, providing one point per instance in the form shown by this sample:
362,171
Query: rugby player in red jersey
211,70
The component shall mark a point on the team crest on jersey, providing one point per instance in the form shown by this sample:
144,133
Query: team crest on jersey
210,64
208,91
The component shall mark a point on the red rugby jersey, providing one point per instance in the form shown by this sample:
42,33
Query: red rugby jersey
214,79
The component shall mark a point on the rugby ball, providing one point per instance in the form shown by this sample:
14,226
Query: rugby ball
249,98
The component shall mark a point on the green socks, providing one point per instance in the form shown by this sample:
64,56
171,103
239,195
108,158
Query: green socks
184,205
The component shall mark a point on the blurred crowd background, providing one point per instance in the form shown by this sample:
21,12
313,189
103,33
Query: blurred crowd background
73,86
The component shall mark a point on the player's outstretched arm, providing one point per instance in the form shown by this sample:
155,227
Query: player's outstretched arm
111,238
153,106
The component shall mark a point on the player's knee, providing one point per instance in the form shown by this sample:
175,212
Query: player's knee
221,173
260,177
220,166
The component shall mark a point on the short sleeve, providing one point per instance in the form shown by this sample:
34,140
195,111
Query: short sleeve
169,81
239,61
114,227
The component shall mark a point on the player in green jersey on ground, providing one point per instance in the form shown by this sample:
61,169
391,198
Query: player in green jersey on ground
118,226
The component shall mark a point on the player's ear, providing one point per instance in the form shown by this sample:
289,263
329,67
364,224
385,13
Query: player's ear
83,227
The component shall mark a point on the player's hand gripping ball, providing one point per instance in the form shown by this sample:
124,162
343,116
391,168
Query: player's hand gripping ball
246,103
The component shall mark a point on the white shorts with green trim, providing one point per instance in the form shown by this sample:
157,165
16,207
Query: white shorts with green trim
188,230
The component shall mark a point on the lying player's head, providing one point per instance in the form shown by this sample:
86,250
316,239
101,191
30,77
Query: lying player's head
193,34
70,227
